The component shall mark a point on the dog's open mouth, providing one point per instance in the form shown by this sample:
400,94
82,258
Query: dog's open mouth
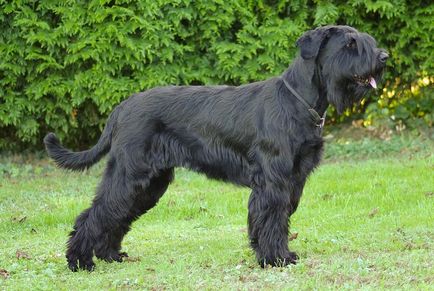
365,81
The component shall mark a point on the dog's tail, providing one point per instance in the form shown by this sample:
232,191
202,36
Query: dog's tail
78,161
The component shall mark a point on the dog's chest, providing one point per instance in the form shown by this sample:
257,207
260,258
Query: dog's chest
308,155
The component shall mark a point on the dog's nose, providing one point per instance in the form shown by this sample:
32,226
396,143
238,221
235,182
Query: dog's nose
383,57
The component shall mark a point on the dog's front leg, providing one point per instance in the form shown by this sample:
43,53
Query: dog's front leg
269,211
268,227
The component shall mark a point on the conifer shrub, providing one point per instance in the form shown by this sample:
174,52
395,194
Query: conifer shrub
64,65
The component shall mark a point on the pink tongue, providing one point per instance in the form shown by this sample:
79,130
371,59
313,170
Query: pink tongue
373,83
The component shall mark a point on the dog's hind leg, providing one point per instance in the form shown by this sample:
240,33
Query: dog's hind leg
80,245
108,206
108,249
126,174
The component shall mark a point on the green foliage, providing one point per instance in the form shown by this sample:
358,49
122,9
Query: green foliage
65,64
401,107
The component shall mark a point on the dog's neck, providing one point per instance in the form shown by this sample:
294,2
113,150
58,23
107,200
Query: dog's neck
308,83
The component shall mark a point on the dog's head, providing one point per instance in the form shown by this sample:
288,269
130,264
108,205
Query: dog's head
348,62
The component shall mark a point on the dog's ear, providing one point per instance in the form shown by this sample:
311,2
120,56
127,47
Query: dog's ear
311,41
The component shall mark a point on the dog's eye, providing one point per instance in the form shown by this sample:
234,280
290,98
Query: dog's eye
352,44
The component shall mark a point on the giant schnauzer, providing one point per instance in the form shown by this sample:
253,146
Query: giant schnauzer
264,135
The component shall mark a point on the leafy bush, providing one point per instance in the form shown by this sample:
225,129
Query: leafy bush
65,64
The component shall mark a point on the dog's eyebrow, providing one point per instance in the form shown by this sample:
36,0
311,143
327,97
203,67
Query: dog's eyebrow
364,41
354,36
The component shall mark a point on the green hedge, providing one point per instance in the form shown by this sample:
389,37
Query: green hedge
65,64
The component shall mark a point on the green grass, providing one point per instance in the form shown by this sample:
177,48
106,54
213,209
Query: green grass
366,220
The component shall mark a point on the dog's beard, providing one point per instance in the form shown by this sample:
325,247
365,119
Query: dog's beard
345,94
350,91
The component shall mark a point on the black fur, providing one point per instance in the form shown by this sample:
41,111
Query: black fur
256,135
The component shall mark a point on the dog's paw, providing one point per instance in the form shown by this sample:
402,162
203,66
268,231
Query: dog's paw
290,258
123,254
119,257
113,257
73,266
81,264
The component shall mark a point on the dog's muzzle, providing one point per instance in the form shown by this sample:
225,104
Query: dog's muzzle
382,57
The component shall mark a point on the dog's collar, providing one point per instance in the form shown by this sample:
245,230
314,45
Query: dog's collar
317,119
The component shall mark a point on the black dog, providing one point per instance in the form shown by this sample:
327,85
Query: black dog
264,135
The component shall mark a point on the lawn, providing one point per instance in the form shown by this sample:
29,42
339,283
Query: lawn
366,220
